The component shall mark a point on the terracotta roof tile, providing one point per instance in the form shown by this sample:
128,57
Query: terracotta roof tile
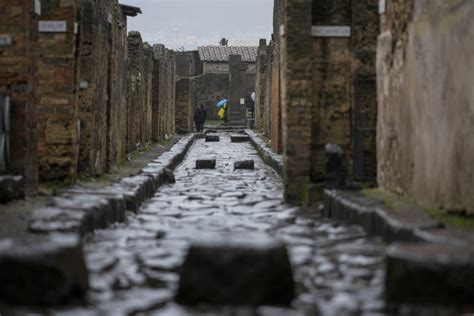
222,53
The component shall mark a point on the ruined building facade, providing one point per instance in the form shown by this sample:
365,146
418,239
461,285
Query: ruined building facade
79,90
388,81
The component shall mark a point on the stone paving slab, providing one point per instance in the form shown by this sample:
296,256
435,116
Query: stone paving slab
42,270
429,273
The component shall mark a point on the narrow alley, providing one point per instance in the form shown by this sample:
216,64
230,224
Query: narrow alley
236,158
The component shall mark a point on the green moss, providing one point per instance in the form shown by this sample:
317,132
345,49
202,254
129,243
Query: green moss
451,220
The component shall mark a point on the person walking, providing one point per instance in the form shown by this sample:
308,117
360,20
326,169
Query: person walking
198,118
203,117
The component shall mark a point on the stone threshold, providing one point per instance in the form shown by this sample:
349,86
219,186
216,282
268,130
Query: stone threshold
57,231
265,152
427,262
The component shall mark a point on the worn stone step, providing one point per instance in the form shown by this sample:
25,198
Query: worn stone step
239,138
212,138
206,164
237,269
43,270
428,273
244,165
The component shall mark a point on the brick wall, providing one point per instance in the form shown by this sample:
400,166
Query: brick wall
207,90
136,97
57,90
296,97
184,110
17,80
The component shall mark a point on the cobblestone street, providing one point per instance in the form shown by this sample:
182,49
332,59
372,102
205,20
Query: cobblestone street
135,266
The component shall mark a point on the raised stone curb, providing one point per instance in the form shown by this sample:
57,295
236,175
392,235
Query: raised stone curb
42,270
430,273
377,219
236,270
266,153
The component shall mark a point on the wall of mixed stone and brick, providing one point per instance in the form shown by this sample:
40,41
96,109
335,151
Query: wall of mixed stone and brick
18,64
102,94
58,66
185,69
344,98
207,89
164,93
425,91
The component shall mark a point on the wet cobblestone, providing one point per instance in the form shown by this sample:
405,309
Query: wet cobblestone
135,266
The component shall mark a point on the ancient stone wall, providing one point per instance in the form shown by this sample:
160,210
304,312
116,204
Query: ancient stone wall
184,110
260,84
296,94
207,89
426,118
147,94
18,57
164,86
57,90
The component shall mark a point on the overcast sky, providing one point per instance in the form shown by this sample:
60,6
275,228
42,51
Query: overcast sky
192,23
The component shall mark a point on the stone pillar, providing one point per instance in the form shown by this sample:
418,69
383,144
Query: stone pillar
183,104
236,111
58,85
18,65
296,97
260,83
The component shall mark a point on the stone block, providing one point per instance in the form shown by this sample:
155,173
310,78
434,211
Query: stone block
426,273
239,138
210,131
43,270
11,188
212,138
244,165
236,270
206,164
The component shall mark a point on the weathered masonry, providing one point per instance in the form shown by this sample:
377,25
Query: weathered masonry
18,95
76,92
425,91
334,101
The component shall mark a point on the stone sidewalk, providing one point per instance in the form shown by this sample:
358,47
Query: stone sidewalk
14,215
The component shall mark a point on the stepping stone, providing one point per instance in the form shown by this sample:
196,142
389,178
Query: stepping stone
235,269
426,273
206,164
43,270
212,138
239,138
244,165
210,131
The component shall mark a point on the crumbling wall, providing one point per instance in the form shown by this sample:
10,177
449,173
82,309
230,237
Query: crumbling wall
18,57
135,90
57,90
426,118
184,110
207,89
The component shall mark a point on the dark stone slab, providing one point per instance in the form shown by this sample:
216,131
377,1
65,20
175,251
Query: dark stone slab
236,270
239,138
426,273
206,164
43,270
336,171
51,219
11,188
244,164
210,131
212,138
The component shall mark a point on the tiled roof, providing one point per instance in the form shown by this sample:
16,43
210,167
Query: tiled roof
222,53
